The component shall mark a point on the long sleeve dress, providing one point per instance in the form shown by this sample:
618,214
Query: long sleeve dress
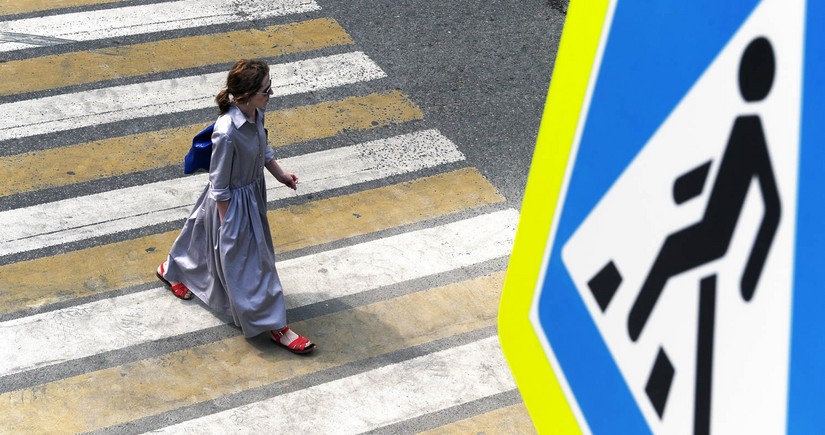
231,266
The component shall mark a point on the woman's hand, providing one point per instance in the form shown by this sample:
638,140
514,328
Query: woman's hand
222,207
288,179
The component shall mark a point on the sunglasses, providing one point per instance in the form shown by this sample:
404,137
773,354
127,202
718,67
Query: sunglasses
268,89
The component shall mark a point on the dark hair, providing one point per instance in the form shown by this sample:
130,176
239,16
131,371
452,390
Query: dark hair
242,82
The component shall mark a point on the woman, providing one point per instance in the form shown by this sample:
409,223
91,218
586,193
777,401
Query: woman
224,255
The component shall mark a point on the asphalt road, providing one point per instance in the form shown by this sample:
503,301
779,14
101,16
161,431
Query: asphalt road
479,69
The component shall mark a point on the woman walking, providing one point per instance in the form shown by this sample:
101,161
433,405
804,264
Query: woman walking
224,255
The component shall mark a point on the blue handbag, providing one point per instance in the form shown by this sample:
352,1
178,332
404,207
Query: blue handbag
200,154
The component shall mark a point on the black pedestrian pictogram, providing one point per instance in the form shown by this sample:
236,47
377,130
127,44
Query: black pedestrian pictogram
745,158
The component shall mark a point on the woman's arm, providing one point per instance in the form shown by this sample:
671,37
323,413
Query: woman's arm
287,178
220,171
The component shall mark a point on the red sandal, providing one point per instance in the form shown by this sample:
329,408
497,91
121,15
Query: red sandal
180,290
299,345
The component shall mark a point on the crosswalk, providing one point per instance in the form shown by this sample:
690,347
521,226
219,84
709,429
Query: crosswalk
391,252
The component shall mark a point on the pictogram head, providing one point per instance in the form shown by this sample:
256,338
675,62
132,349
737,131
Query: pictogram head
756,70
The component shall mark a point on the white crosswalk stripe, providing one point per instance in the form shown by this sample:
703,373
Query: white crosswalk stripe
135,20
79,218
83,109
400,391
65,334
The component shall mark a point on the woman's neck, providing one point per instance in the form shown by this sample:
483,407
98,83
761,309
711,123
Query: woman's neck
249,111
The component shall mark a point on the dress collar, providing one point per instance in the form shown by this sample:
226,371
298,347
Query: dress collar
238,118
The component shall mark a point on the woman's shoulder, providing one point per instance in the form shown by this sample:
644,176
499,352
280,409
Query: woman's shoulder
223,124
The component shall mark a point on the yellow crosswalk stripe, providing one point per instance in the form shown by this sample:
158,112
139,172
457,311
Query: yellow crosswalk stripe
168,382
332,118
8,7
140,152
56,71
109,267
512,420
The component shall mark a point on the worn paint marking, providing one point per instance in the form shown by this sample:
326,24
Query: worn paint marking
84,109
83,330
141,152
208,372
63,221
140,19
67,69
99,269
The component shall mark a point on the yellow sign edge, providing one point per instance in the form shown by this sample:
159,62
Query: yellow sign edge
539,387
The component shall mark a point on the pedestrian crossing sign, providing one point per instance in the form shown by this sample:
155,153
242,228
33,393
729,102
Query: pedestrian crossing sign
664,275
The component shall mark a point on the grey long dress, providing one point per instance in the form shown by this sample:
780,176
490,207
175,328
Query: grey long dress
231,267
